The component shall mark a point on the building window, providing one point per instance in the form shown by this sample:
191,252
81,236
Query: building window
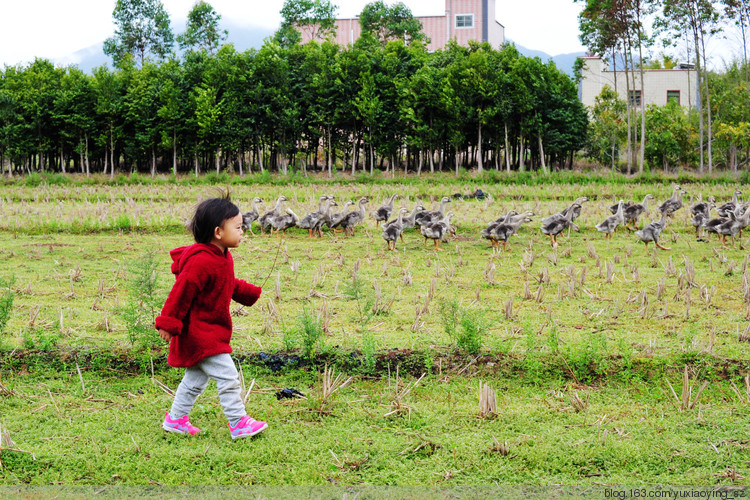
635,98
673,96
464,20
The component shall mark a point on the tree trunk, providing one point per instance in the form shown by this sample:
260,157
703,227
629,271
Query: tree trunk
174,152
642,151
111,152
708,108
521,155
541,155
419,163
480,166
62,160
507,149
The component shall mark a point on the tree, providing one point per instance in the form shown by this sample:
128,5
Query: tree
607,127
202,30
316,17
739,12
142,28
701,19
394,22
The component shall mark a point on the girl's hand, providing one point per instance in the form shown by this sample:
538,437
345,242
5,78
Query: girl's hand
165,335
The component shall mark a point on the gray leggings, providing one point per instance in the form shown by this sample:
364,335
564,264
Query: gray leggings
220,368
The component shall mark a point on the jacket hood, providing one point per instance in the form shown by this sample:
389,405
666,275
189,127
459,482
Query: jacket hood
181,255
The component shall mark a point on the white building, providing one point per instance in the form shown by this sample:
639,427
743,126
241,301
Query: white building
659,85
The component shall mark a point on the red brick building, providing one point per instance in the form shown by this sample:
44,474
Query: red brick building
464,20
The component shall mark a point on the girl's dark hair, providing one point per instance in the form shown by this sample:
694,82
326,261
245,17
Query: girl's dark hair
211,214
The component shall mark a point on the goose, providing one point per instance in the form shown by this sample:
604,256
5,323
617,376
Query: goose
729,206
284,221
513,217
503,232
353,218
437,231
701,216
408,221
428,216
576,207
554,226
674,202
652,232
310,220
608,225
627,204
733,226
337,217
265,219
325,219
384,212
701,206
635,210
249,217
393,230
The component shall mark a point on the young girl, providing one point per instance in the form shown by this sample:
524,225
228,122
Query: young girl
196,321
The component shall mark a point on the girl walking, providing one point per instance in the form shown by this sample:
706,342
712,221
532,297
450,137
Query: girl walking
196,321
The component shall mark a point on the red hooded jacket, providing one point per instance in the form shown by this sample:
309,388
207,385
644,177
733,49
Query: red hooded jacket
196,311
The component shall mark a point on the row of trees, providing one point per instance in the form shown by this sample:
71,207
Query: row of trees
368,106
383,102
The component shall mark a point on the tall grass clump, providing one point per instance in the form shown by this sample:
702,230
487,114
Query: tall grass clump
306,334
145,300
466,327
6,303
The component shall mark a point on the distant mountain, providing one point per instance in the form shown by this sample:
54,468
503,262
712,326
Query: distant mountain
243,38
564,62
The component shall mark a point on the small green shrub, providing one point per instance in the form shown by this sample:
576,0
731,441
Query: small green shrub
306,334
6,303
466,327
145,300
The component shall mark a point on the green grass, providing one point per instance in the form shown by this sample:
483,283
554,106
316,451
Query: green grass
69,250
108,433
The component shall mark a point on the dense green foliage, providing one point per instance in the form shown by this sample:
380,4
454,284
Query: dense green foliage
384,102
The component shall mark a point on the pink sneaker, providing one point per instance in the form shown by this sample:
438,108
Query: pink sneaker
180,426
247,427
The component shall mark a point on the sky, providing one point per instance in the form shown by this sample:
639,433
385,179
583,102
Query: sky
55,29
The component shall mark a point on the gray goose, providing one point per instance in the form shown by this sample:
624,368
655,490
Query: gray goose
429,216
408,221
733,226
265,219
652,232
701,215
284,221
556,225
729,206
633,212
249,217
576,207
353,218
325,219
337,217
608,225
503,232
437,231
674,202
384,212
310,220
393,230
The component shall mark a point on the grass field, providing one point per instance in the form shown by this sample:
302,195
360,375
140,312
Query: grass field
579,344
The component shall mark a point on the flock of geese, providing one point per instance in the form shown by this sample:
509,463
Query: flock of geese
435,225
